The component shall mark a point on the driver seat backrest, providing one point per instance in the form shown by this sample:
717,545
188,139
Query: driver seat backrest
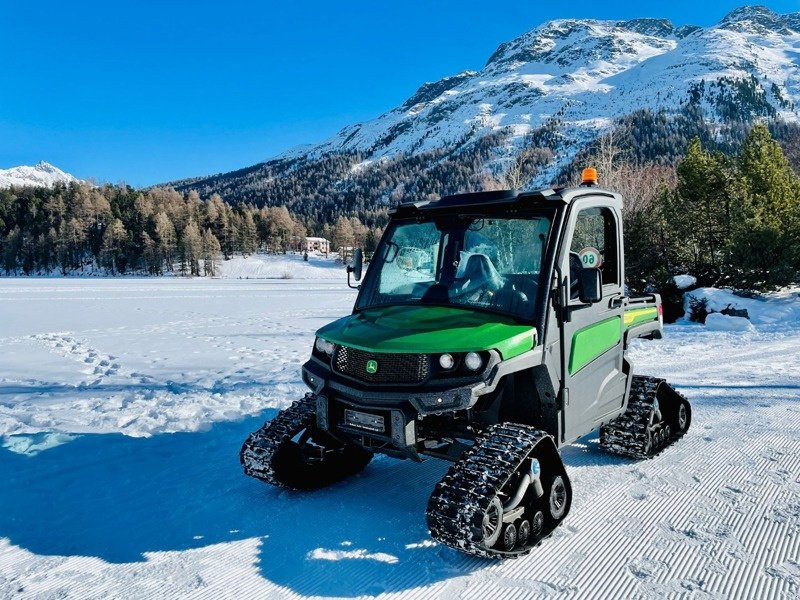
479,271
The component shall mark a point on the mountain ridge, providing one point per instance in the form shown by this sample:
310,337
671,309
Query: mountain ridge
566,82
42,174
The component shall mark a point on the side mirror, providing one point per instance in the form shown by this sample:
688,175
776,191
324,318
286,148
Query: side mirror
591,286
357,267
358,264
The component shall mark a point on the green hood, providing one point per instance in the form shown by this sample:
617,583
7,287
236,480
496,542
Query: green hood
429,330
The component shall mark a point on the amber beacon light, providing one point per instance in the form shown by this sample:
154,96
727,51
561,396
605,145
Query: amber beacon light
589,176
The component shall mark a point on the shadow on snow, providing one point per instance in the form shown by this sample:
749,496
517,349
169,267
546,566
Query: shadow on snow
117,497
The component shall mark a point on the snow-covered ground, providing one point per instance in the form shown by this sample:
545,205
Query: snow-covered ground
255,266
123,404
282,266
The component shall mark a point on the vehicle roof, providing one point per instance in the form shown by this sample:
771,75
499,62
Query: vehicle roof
502,199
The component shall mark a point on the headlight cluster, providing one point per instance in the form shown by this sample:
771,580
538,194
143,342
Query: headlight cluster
324,346
471,362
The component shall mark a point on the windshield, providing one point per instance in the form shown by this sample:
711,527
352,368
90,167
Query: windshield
467,261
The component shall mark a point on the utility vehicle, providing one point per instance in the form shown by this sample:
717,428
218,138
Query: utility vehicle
490,329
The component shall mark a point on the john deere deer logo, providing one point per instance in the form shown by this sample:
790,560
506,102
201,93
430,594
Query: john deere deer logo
372,366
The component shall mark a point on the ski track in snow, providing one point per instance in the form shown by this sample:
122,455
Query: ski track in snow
98,502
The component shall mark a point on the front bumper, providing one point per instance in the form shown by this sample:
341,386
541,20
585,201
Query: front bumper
401,408
396,434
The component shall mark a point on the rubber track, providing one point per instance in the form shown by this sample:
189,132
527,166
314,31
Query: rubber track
259,448
626,435
458,503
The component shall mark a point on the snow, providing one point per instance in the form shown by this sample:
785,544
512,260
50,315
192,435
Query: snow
283,266
684,281
43,174
720,322
776,308
254,266
148,356
101,499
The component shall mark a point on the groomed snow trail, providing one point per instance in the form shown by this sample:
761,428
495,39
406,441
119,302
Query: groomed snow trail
123,404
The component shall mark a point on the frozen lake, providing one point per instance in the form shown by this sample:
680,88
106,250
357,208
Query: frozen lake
123,404
145,356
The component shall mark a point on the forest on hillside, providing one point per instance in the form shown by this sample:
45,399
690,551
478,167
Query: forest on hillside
121,230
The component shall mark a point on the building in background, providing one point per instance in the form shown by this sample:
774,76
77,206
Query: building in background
312,244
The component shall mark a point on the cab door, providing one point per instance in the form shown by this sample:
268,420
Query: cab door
593,378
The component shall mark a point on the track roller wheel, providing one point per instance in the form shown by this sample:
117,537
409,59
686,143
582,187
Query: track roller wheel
510,537
537,524
558,498
492,522
523,532
682,421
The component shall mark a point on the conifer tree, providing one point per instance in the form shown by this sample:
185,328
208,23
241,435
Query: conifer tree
281,227
112,255
211,250
699,213
766,239
166,240
248,236
191,248
11,248
343,236
151,262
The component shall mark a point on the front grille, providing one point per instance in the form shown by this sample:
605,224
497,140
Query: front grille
389,368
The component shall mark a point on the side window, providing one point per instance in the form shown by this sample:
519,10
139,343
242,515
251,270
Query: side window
594,244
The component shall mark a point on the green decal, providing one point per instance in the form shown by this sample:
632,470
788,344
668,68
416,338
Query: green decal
372,366
592,341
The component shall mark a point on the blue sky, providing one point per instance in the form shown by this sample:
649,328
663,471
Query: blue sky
146,92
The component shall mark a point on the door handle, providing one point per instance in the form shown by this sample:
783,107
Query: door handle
615,302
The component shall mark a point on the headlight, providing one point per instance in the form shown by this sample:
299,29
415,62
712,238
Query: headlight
324,346
473,361
446,361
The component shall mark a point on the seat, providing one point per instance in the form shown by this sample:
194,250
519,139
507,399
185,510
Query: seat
479,276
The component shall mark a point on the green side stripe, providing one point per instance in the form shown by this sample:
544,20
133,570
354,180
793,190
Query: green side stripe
640,315
592,341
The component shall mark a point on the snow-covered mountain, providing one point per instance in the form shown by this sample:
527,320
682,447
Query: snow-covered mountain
573,78
43,174
586,73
